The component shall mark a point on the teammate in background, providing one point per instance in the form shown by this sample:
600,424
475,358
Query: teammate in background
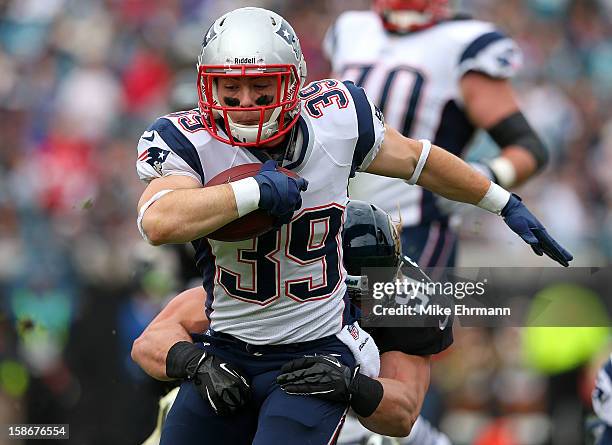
281,296
437,77
369,240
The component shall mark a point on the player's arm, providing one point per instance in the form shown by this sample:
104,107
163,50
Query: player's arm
443,173
165,351
405,379
182,315
388,404
491,104
177,209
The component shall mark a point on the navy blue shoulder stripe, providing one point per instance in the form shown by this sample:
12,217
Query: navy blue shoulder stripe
365,124
481,43
179,143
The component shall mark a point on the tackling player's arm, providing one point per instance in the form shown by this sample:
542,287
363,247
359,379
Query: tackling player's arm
491,104
388,404
405,379
182,315
165,351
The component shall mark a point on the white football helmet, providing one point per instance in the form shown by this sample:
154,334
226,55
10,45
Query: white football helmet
251,42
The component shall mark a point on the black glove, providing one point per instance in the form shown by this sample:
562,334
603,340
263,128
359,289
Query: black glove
220,383
324,377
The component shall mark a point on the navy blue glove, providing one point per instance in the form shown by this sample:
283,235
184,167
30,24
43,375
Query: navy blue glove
527,226
279,193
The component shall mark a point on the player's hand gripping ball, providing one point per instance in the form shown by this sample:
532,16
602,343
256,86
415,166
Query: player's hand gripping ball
279,197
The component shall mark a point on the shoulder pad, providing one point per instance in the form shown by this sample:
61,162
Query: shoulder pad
168,147
488,50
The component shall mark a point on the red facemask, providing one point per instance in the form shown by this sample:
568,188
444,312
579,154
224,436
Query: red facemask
286,105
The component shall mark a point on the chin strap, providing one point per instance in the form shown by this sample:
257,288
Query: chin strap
248,133
291,144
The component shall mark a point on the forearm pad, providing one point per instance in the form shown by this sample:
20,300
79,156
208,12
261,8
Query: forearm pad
515,130
366,395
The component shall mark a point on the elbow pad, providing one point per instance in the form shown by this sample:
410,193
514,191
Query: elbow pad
515,130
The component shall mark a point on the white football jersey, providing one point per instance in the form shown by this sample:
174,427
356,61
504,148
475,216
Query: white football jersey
414,80
287,285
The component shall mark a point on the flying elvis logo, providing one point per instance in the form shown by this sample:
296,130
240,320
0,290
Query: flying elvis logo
289,37
155,157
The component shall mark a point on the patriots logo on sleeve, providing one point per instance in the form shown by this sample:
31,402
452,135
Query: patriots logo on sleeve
155,157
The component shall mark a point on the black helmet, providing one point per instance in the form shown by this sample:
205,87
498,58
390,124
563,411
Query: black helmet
369,238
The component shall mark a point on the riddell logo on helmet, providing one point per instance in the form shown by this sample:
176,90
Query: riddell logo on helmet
241,60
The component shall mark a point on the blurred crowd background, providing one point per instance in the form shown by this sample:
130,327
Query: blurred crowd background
79,82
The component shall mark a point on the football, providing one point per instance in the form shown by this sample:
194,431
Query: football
252,224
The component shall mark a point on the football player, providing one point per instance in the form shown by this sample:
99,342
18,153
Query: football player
369,240
439,77
280,296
